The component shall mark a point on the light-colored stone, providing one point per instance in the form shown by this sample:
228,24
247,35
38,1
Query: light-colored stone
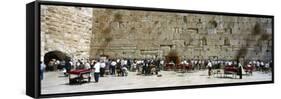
90,32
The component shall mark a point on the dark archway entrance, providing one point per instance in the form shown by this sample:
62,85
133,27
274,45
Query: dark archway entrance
57,55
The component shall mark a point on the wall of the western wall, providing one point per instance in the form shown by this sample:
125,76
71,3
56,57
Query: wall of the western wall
88,32
144,34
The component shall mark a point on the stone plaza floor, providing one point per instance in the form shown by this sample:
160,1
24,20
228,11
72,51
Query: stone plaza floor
55,82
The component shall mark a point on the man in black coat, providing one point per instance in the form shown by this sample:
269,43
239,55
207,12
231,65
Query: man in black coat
67,67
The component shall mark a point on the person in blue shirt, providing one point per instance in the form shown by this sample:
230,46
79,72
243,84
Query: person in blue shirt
42,69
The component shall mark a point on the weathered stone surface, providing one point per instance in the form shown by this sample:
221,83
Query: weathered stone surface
67,29
90,32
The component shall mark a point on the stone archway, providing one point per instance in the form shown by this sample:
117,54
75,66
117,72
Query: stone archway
58,55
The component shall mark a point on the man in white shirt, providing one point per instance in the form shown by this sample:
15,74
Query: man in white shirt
262,66
161,64
112,67
97,71
122,63
87,65
102,68
258,65
254,63
184,62
209,68
229,63
266,67
125,62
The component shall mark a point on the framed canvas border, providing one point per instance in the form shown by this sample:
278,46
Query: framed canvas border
33,83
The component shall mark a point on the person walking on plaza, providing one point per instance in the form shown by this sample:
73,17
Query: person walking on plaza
209,65
42,69
97,71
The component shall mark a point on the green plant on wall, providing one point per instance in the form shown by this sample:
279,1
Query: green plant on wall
117,17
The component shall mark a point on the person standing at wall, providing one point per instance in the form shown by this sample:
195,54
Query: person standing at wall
262,66
102,68
158,66
258,65
134,66
144,67
97,71
129,64
266,67
200,64
240,70
112,67
162,64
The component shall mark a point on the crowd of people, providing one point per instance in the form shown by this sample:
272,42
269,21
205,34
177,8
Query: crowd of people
102,67
219,64
121,67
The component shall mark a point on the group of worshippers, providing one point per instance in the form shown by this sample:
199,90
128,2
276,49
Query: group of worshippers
121,67
259,65
102,67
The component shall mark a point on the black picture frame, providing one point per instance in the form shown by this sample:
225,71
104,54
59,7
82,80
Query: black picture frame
33,85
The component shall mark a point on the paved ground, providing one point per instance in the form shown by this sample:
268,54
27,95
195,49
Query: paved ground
54,82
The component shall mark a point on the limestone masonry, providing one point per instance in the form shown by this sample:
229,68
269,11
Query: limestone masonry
84,32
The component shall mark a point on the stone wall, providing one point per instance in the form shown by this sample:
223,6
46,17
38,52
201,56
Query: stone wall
144,34
67,29
87,32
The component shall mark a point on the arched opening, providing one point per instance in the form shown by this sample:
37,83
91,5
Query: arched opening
52,56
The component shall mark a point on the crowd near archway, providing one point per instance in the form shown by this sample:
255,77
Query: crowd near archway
52,57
